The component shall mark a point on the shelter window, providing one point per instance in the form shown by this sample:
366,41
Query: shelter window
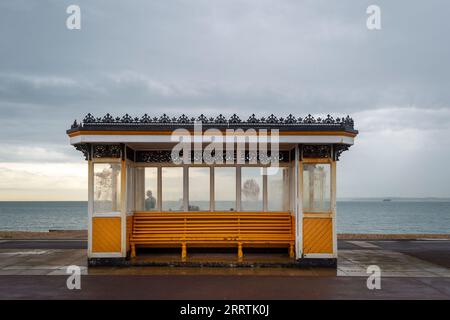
252,189
225,188
278,190
316,187
147,190
107,187
199,189
172,189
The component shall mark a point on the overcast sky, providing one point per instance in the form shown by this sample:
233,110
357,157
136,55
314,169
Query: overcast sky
228,56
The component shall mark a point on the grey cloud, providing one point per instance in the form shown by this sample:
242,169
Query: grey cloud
203,56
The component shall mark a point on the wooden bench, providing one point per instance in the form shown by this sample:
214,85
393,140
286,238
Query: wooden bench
212,229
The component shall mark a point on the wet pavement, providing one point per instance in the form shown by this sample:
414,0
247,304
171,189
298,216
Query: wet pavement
410,269
43,244
221,287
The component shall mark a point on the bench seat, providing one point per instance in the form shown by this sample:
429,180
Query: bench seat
211,229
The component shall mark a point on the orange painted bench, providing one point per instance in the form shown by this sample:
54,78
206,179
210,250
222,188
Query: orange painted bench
212,229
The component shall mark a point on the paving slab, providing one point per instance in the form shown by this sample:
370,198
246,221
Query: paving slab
391,263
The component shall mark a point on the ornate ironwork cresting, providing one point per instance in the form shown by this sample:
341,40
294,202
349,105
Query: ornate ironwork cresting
165,122
165,156
290,120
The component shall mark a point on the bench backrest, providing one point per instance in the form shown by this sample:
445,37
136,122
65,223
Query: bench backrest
217,226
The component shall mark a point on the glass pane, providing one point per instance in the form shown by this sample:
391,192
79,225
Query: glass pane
139,184
316,188
251,189
106,187
225,189
146,184
278,190
172,189
199,189
151,189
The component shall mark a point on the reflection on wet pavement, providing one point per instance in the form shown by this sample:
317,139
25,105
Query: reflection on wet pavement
212,271
396,259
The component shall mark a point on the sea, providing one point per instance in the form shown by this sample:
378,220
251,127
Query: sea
353,216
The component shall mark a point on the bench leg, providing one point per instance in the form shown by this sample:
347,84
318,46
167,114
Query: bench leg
291,250
133,251
183,252
240,253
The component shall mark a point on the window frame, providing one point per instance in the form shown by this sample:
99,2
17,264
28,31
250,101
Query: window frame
188,187
238,168
213,186
330,162
159,200
158,187
264,189
288,191
118,212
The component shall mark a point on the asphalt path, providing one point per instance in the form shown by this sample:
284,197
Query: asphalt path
221,287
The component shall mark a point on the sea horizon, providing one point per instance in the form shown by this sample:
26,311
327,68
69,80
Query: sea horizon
374,215
389,198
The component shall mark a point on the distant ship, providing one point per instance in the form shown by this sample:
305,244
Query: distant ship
386,200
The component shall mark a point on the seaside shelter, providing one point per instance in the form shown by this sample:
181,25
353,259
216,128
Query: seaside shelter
212,182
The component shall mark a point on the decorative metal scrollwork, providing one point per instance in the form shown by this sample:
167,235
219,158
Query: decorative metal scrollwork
220,119
130,154
234,119
290,120
85,148
324,151
165,156
316,151
202,118
253,119
338,149
107,151
164,118
154,156
272,119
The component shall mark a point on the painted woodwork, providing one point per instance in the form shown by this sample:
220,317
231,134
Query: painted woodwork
317,235
106,234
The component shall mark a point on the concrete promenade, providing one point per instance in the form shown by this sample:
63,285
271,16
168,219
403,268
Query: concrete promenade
411,269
